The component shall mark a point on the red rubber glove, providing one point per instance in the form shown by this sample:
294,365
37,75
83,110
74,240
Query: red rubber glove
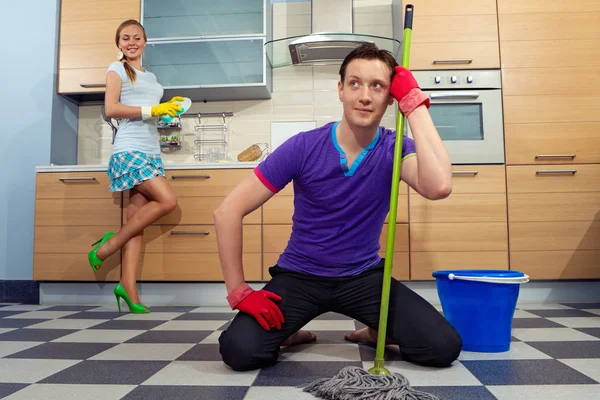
258,303
406,91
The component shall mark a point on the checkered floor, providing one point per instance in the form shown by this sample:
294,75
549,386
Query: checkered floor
47,352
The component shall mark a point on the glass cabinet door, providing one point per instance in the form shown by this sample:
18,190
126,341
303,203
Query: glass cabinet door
206,62
198,18
458,121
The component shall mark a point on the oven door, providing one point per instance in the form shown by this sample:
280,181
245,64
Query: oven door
470,124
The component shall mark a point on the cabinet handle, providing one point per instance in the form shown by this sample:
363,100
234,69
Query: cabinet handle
92,85
465,95
454,61
555,171
190,233
79,178
204,176
465,173
571,156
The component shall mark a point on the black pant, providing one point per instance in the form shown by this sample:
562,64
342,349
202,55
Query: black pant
424,335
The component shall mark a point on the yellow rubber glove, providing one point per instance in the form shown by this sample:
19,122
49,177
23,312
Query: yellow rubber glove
165,108
176,98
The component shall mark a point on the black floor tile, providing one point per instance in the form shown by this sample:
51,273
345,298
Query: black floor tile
202,352
206,317
534,323
187,393
35,335
573,349
69,308
94,315
458,392
107,372
19,322
590,331
7,389
170,337
295,373
128,324
561,313
64,351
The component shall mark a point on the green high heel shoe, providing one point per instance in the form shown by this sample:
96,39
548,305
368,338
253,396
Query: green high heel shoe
133,307
95,262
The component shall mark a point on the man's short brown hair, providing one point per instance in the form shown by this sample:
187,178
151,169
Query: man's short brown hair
368,51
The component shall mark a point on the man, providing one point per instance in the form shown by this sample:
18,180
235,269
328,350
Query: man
341,174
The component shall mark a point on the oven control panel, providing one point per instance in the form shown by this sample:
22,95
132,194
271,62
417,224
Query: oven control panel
458,79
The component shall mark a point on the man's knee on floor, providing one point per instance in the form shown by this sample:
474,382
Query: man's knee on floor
445,349
239,354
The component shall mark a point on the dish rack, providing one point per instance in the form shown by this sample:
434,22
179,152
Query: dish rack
212,139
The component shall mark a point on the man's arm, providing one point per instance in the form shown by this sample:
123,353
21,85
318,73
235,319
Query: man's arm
250,194
430,172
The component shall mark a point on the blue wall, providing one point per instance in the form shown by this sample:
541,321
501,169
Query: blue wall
30,111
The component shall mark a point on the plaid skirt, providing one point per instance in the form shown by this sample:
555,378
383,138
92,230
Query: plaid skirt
130,168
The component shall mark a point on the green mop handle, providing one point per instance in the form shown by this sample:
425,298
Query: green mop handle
389,252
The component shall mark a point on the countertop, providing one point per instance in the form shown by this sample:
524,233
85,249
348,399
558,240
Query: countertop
168,166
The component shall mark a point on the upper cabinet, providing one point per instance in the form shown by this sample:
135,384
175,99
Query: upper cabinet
454,34
87,44
204,50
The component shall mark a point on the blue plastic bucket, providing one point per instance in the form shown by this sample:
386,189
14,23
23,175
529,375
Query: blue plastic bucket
480,304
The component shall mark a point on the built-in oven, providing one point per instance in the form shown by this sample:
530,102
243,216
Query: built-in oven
466,108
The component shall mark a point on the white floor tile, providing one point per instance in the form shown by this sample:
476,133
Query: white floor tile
578,322
321,352
213,310
4,330
8,348
550,335
597,312
525,314
587,366
276,393
518,351
42,314
100,336
204,373
144,352
79,392
213,338
189,326
456,375
542,306
25,307
330,325
30,370
67,324
546,392
153,316
109,308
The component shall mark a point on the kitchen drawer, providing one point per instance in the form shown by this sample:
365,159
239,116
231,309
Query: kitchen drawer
400,268
69,239
550,53
553,179
73,185
79,80
193,267
532,207
565,235
455,28
423,264
205,183
477,179
90,32
455,55
459,208
585,25
78,212
77,10
426,8
280,209
534,81
459,236
544,143
551,109
545,6
194,239
557,264
74,267
87,56
195,211
276,237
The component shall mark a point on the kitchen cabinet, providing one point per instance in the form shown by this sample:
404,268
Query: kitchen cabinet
545,47
87,44
467,230
453,34
72,211
554,220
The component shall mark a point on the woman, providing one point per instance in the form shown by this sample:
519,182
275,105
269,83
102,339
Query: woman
133,96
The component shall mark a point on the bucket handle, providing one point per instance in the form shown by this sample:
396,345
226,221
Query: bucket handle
520,279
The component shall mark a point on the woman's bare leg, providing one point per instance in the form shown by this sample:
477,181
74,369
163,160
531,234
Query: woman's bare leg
162,201
133,248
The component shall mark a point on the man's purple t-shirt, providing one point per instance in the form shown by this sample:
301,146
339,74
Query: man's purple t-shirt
338,211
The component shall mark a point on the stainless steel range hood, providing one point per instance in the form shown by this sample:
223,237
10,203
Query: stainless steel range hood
332,37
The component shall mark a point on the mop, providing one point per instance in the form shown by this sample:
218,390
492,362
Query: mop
354,383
